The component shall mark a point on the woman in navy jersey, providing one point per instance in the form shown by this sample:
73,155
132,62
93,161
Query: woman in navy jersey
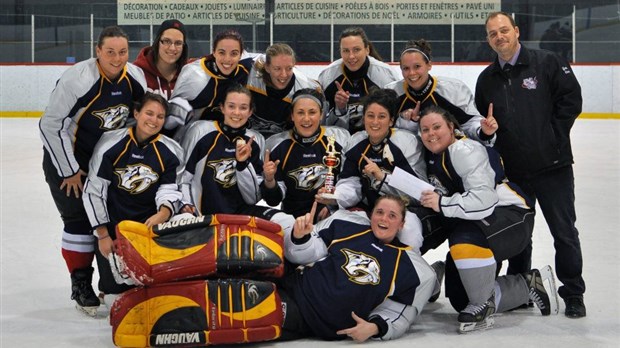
347,80
92,97
224,165
201,86
273,81
132,176
294,168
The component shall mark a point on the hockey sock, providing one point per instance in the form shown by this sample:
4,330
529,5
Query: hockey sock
476,266
78,250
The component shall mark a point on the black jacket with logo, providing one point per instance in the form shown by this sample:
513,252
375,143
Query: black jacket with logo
535,104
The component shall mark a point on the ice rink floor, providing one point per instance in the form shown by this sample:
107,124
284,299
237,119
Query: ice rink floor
36,310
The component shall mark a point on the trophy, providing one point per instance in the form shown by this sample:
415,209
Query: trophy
331,161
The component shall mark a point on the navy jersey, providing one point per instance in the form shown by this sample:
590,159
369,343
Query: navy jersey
200,89
449,94
131,181
301,172
84,105
357,83
272,107
471,181
213,181
354,271
399,149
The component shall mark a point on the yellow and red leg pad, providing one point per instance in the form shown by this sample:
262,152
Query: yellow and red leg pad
222,244
197,313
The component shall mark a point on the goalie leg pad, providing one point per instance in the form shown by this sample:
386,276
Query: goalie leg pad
197,313
230,245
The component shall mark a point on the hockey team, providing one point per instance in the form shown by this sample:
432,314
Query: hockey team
293,178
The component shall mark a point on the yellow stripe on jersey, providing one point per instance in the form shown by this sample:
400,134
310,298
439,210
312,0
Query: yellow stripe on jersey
161,162
349,237
466,251
125,149
360,161
443,165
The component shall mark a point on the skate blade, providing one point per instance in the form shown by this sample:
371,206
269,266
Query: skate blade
90,311
471,327
546,274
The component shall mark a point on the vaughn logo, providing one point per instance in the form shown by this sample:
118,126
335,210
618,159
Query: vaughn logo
177,338
180,222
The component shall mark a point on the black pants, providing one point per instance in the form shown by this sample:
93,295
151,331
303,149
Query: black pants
506,232
555,192
294,326
71,209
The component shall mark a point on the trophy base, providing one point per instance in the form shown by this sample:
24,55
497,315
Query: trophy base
327,195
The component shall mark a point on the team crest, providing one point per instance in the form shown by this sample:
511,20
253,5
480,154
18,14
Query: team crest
566,70
530,83
361,268
310,177
136,178
113,117
224,172
433,180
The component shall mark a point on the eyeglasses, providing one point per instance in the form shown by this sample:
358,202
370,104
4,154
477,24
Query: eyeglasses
168,43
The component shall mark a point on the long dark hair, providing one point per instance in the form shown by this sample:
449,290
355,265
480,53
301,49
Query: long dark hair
357,31
184,54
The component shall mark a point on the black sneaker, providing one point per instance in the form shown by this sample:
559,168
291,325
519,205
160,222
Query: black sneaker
575,308
440,269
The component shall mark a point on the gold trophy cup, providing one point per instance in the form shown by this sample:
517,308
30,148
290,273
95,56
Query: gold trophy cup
331,160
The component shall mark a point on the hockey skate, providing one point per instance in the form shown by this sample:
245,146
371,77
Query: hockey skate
543,291
440,269
477,317
82,291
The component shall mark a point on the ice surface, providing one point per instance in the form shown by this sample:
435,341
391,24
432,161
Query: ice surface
36,310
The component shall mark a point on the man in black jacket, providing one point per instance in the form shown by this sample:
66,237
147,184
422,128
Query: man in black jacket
536,99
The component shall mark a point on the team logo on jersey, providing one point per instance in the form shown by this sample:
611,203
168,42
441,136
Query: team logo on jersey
136,178
356,113
361,268
224,172
433,180
113,117
387,154
530,83
264,126
310,177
